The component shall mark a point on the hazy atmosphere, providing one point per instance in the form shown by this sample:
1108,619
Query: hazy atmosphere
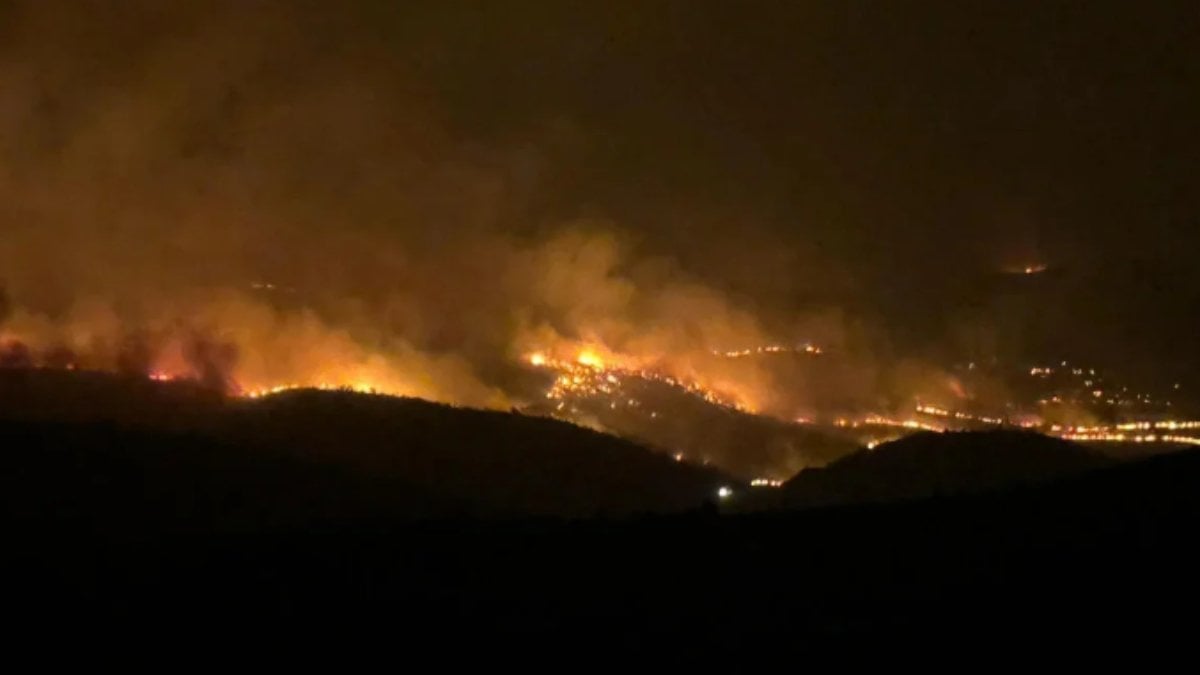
748,328
415,199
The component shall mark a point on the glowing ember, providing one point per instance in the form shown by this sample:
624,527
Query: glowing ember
807,348
590,375
360,388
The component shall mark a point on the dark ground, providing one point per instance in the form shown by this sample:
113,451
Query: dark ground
147,532
1108,556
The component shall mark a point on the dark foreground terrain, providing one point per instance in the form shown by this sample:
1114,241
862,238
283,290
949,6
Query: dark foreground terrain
929,464
155,531
119,451
1111,556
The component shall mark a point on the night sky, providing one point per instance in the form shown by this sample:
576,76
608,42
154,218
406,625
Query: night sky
879,138
888,155
881,163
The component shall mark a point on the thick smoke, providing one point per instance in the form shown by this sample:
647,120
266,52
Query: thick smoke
252,196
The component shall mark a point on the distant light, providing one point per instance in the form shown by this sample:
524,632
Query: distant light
1027,268
537,359
679,457
724,492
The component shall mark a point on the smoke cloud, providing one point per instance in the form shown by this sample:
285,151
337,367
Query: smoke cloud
258,194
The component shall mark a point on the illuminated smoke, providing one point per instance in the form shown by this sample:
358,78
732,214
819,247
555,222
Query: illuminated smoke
228,202
213,192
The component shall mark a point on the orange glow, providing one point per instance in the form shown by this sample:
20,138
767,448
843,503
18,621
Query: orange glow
590,374
588,358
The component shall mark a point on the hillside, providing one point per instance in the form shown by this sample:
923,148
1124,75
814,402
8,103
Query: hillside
937,464
507,464
1105,555
317,507
106,443
660,414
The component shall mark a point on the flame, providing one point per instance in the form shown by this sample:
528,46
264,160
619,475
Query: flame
590,359
806,348
598,372
276,355
242,347
709,373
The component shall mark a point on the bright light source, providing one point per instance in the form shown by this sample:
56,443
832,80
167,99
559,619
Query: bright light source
724,492
590,358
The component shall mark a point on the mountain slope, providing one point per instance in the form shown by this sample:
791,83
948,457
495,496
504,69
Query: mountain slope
122,444
936,464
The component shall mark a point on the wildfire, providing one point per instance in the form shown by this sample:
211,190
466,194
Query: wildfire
175,369
807,348
359,388
967,417
593,372
581,371
1115,433
879,420
590,359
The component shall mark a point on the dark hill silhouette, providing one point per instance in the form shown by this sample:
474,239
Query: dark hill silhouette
1102,555
117,444
507,464
60,395
99,477
931,464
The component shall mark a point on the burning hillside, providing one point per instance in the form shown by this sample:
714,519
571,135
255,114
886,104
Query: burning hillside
233,203
214,195
232,344
704,421
693,422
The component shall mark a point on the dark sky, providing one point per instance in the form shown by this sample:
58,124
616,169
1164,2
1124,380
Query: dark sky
890,155
879,161
1012,126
